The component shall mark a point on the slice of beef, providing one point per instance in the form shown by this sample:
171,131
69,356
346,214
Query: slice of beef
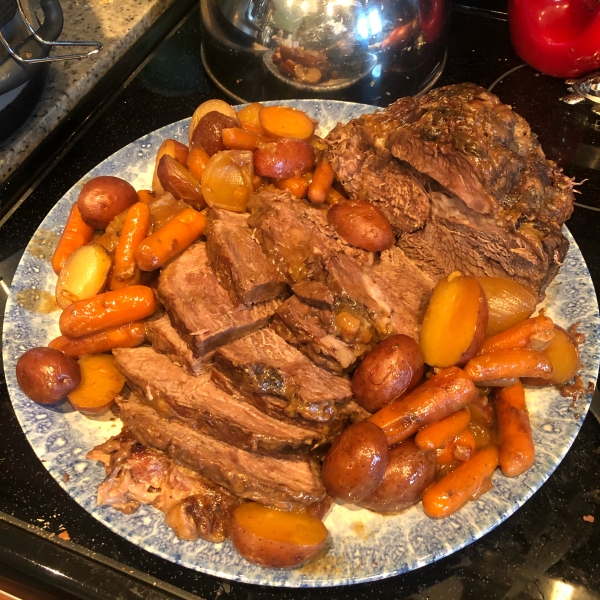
314,293
199,402
265,363
373,174
165,339
277,482
194,507
238,261
201,309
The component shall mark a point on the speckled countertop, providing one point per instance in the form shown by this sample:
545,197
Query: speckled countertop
115,23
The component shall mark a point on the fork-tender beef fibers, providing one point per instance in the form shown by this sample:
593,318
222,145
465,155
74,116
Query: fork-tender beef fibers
265,363
201,309
199,402
278,482
497,204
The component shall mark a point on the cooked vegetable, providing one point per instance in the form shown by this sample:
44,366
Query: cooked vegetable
286,122
408,473
443,394
453,490
509,303
163,209
356,462
178,180
361,224
248,116
227,181
321,182
388,371
277,539
207,134
494,367
101,381
83,275
534,333
75,234
175,150
145,196
108,310
135,230
206,107
333,196
284,158
101,199
196,162
297,186
455,321
170,240
46,375
460,449
515,439
125,336
437,435
236,138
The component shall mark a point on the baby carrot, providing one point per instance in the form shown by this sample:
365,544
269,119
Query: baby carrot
438,434
297,186
196,162
107,310
506,364
135,230
145,196
333,196
173,237
519,336
75,234
236,138
445,393
462,445
452,491
253,128
126,336
515,438
321,182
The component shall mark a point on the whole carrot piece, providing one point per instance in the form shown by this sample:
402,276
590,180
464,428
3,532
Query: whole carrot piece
126,336
196,162
236,138
445,393
520,336
452,491
321,182
438,434
135,230
297,186
111,309
169,240
515,438
508,364
75,234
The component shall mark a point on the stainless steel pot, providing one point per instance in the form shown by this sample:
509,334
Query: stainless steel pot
347,49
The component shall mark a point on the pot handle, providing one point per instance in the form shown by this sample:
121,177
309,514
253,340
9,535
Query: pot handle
50,29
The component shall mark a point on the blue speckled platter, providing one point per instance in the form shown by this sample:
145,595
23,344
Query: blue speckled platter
364,546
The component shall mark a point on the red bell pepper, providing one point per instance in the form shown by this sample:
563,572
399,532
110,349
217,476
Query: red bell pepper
557,37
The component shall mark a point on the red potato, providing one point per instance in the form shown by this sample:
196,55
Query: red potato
101,199
179,181
207,134
388,371
175,150
284,158
361,224
408,473
356,462
210,105
276,539
46,375
455,321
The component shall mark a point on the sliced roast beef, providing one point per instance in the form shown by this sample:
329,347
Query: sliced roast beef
314,293
264,363
201,309
200,403
194,507
238,261
282,483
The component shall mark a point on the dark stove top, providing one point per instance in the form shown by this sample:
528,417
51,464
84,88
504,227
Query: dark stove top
545,550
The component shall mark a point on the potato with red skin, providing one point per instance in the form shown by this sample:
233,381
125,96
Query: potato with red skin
207,134
455,321
362,225
356,462
408,473
275,538
284,158
392,368
101,199
46,375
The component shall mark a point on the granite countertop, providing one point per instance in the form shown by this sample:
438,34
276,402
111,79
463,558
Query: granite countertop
117,24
